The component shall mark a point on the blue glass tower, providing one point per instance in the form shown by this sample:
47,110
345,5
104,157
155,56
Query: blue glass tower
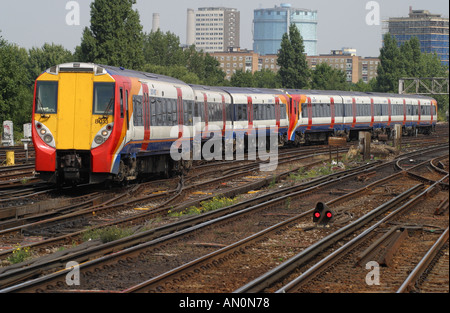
432,30
269,25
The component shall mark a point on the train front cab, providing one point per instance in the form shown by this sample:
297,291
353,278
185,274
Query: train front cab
74,114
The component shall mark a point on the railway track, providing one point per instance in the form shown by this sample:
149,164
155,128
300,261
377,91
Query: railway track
393,246
83,215
270,212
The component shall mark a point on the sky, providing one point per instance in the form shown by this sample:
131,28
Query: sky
341,23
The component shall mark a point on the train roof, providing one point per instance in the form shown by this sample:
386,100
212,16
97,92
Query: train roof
354,94
112,70
207,88
251,90
99,69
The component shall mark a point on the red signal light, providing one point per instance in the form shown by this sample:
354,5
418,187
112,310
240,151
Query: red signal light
329,215
317,214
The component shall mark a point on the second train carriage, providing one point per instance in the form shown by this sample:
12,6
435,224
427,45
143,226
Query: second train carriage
95,123
320,114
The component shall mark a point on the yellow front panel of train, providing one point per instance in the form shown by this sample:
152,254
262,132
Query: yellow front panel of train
74,111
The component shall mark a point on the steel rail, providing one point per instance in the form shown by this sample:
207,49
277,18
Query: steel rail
318,267
125,243
423,264
258,284
189,267
180,228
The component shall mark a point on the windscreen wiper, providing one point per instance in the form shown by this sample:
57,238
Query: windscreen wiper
108,107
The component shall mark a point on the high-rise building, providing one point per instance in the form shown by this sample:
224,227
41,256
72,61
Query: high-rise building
430,29
269,25
213,29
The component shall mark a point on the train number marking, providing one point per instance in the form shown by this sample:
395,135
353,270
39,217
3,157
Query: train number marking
101,120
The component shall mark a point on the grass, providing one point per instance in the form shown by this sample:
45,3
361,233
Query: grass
325,169
107,234
205,206
19,254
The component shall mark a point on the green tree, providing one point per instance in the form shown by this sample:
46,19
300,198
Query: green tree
206,67
294,71
324,77
163,49
259,79
15,93
391,66
43,58
164,55
176,71
267,79
242,79
408,61
411,58
364,87
115,35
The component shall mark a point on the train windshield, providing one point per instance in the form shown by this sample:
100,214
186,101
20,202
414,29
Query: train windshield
46,97
104,98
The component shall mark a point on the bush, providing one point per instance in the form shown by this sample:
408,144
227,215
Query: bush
107,234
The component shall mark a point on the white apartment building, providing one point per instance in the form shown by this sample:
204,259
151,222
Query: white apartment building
213,29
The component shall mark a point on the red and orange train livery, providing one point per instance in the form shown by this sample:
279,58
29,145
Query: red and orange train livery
96,123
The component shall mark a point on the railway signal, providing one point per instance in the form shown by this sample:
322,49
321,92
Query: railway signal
322,214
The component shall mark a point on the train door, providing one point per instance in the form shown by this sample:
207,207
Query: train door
431,112
224,115
404,112
372,112
126,94
180,112
332,112
146,116
277,111
389,112
74,117
293,115
354,112
309,109
206,117
250,112
419,112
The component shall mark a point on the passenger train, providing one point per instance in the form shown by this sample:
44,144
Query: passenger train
96,123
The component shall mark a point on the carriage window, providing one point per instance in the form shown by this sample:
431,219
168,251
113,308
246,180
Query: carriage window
349,109
229,112
218,112
257,111
104,98
46,97
338,109
138,108
153,111
282,110
304,110
159,106
188,109
242,112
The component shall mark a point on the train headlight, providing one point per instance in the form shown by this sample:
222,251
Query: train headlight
98,140
102,135
48,139
45,134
